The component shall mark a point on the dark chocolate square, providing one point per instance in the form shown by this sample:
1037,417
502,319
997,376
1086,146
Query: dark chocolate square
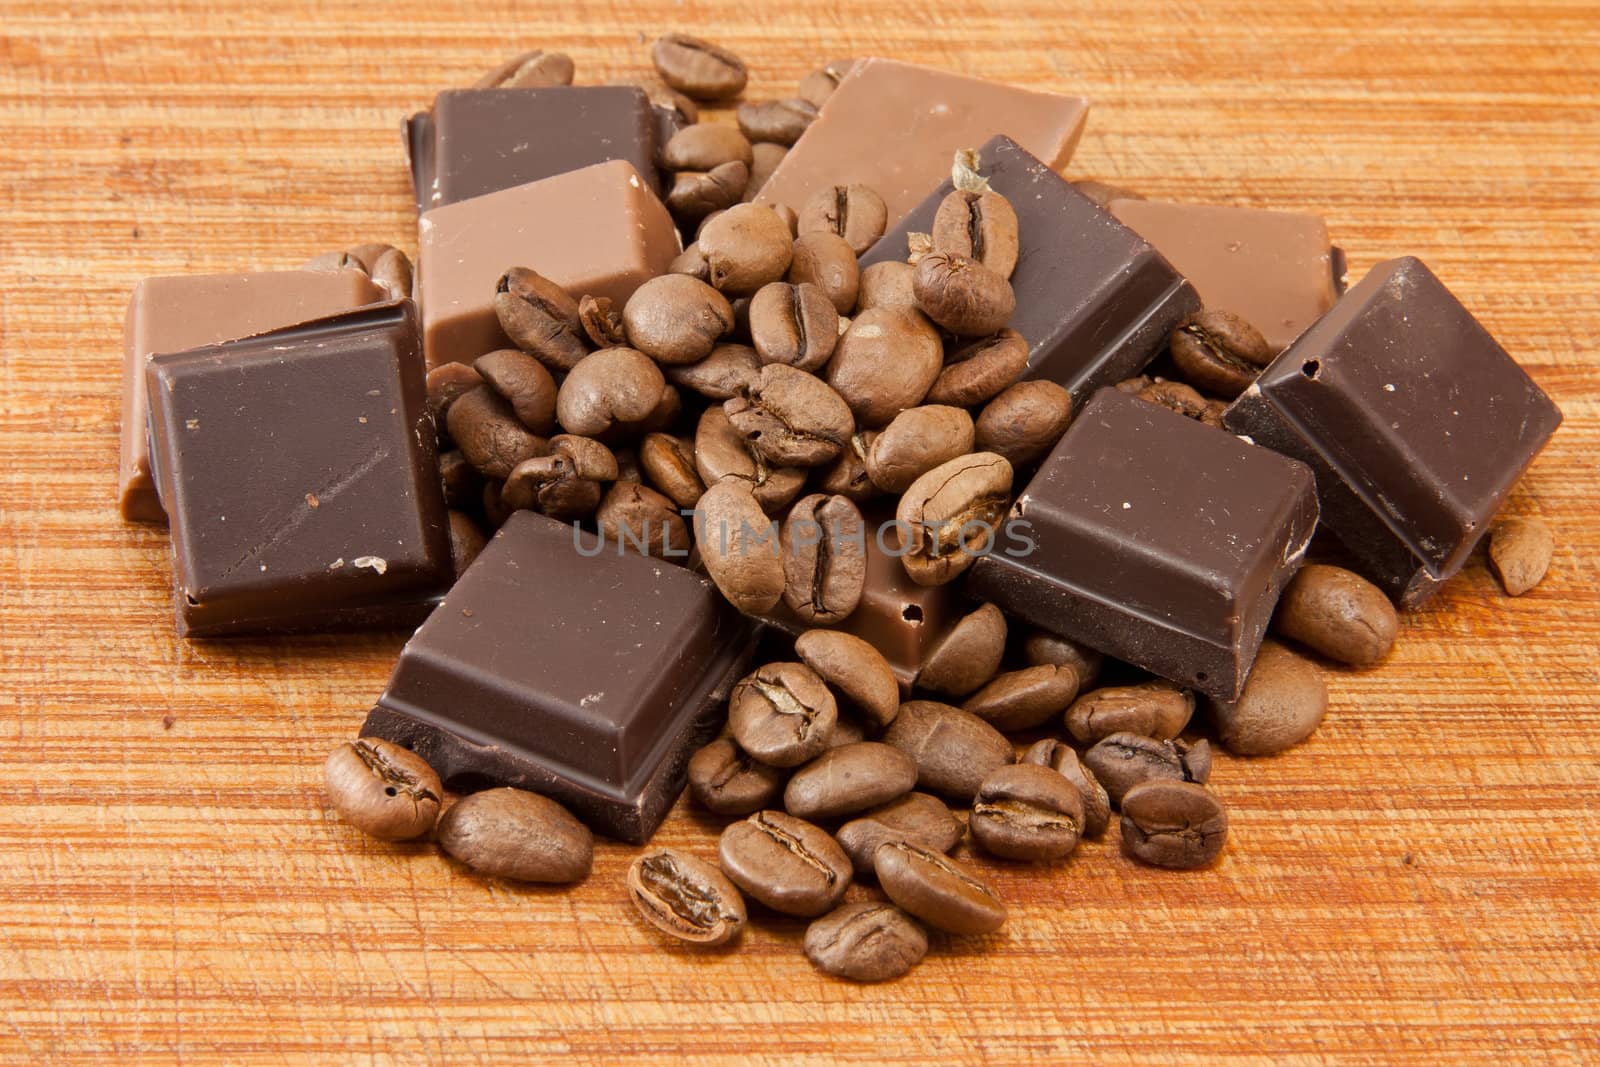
1415,420
1157,540
562,665
300,472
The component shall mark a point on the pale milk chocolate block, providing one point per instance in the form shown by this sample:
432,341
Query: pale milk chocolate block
180,312
895,127
598,231
1276,269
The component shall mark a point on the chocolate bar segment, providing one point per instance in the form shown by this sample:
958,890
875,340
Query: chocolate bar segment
1095,301
560,664
1157,540
177,313
477,141
1415,420
300,473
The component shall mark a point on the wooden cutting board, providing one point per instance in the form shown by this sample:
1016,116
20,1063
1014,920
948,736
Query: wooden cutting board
1419,881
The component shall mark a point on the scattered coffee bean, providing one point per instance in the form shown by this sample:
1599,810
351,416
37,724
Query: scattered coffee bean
951,515
489,433
916,441
541,318
827,261
720,452
786,863
938,890
849,779
1177,825
918,818
637,517
967,656
1338,613
817,86
686,897
695,194
824,558
690,261
791,418
602,323
1061,757
1025,421
1027,812
1102,193
726,780
885,363
705,146
1023,699
854,212
674,318
531,70
514,834
610,395
887,285
466,541
382,789
393,273
1156,709
782,714
779,121
1520,551
525,384
868,941
1176,396
1219,352
1122,761
447,383
590,459
767,156
667,463
746,247
980,226
855,670
1040,648
565,484
847,475
795,325
364,257
979,371
698,68
962,295
954,750
1282,704
729,370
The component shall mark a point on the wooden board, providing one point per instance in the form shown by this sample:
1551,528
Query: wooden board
1419,881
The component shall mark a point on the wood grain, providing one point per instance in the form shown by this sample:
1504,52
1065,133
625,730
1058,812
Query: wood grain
1418,882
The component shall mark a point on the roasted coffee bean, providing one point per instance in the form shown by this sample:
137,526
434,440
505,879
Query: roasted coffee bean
366,256
637,517
392,272
683,110
1134,386
786,863
849,779
782,714
531,70
968,656
695,194
705,146
690,261
1025,421
382,789
448,382
1040,648
726,780
698,68
855,212
489,433
589,458
766,158
954,750
525,384
951,515
466,541
541,318
868,941
460,480
729,370
1023,699
916,441
847,731
514,834
962,295
1177,825
791,418
1212,415
826,261
667,462
1122,761
824,559
602,323
885,363
1061,757
686,897
1219,352
1282,704
1175,396
779,121
887,285
720,452
918,818
979,371
565,484
794,325
855,670
612,394
746,247
938,890
980,226
676,319
1155,709
1520,551
820,84
1102,193
1027,812
1338,613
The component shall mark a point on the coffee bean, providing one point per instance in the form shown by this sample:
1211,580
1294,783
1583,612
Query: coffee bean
695,194
637,517
726,780
489,433
1177,397
817,86
746,247
916,441
705,146
849,779
954,750
541,318
392,272
667,463
1177,825
782,714
466,541
950,515
446,384
854,212
611,395
524,383
1102,193
1027,812
869,941
918,818
938,890
729,370
824,559
1156,709
967,656
962,295
1338,613
602,324
514,834
980,226
698,68
827,261
382,789
1040,648
778,121
664,98
1520,551
1060,757
1219,352
847,475
690,261
885,363
364,257
565,484
855,670
720,452
1135,385
531,70
686,897
1122,761
1025,421
674,318
794,325
1212,415
1282,704
887,285
791,418
785,863
847,731
979,371
1023,699
589,458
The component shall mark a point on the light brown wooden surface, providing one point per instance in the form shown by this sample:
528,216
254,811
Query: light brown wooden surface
1418,881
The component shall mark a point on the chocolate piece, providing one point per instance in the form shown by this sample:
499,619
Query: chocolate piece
477,141
174,314
1415,420
895,127
1095,301
300,473
561,665
598,231
1159,540
1275,269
